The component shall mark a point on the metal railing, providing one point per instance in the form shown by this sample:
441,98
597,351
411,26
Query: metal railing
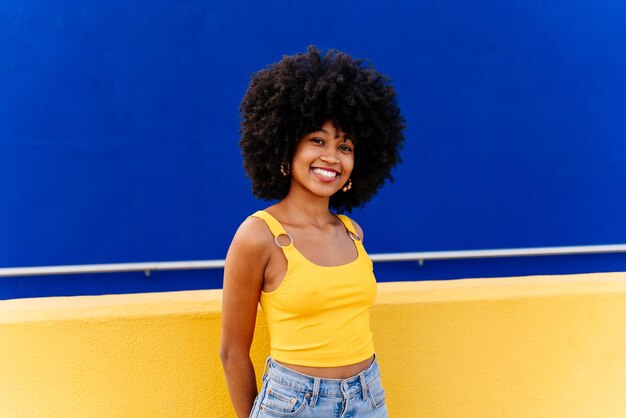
420,257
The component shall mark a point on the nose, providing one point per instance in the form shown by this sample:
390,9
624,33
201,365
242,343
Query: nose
329,157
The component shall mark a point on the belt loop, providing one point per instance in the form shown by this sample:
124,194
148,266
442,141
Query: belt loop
316,391
364,387
265,368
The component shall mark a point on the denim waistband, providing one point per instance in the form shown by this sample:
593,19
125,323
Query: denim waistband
318,386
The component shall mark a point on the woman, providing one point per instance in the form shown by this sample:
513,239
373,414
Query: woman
319,132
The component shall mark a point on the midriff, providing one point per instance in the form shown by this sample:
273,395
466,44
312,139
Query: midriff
342,372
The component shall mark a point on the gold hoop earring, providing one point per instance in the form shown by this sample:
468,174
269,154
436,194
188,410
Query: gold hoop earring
348,186
284,169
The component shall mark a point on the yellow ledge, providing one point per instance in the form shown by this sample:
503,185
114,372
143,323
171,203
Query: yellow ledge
541,346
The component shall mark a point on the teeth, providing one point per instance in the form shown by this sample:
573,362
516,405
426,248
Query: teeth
326,173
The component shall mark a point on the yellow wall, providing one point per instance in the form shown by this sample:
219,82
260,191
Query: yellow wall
545,346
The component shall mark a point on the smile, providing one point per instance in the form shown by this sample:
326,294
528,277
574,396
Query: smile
326,175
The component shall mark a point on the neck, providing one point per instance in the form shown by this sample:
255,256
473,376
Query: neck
310,209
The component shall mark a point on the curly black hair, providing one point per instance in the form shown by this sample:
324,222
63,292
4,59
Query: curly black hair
295,96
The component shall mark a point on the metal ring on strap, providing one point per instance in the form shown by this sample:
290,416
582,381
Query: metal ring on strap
354,236
283,246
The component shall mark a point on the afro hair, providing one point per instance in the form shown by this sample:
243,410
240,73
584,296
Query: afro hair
295,96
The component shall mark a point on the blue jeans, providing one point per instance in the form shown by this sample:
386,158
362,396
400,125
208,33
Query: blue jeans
287,393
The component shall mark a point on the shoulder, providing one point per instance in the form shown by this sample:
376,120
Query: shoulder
357,227
252,237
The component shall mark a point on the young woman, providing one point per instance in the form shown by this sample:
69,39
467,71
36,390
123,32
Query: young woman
319,132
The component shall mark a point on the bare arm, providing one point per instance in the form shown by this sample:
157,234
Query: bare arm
243,280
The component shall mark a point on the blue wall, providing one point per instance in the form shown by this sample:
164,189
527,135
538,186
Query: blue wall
119,130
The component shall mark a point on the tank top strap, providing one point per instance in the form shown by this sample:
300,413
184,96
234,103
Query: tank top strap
350,227
275,227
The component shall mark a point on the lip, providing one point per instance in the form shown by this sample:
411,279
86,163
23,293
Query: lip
324,179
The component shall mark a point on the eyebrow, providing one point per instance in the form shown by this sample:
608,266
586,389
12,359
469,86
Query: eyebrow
345,137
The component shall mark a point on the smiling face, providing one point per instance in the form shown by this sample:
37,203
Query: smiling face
322,161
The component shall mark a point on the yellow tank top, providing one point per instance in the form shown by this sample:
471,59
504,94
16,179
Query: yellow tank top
319,316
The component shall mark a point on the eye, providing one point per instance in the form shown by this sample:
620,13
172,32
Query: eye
317,140
345,148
